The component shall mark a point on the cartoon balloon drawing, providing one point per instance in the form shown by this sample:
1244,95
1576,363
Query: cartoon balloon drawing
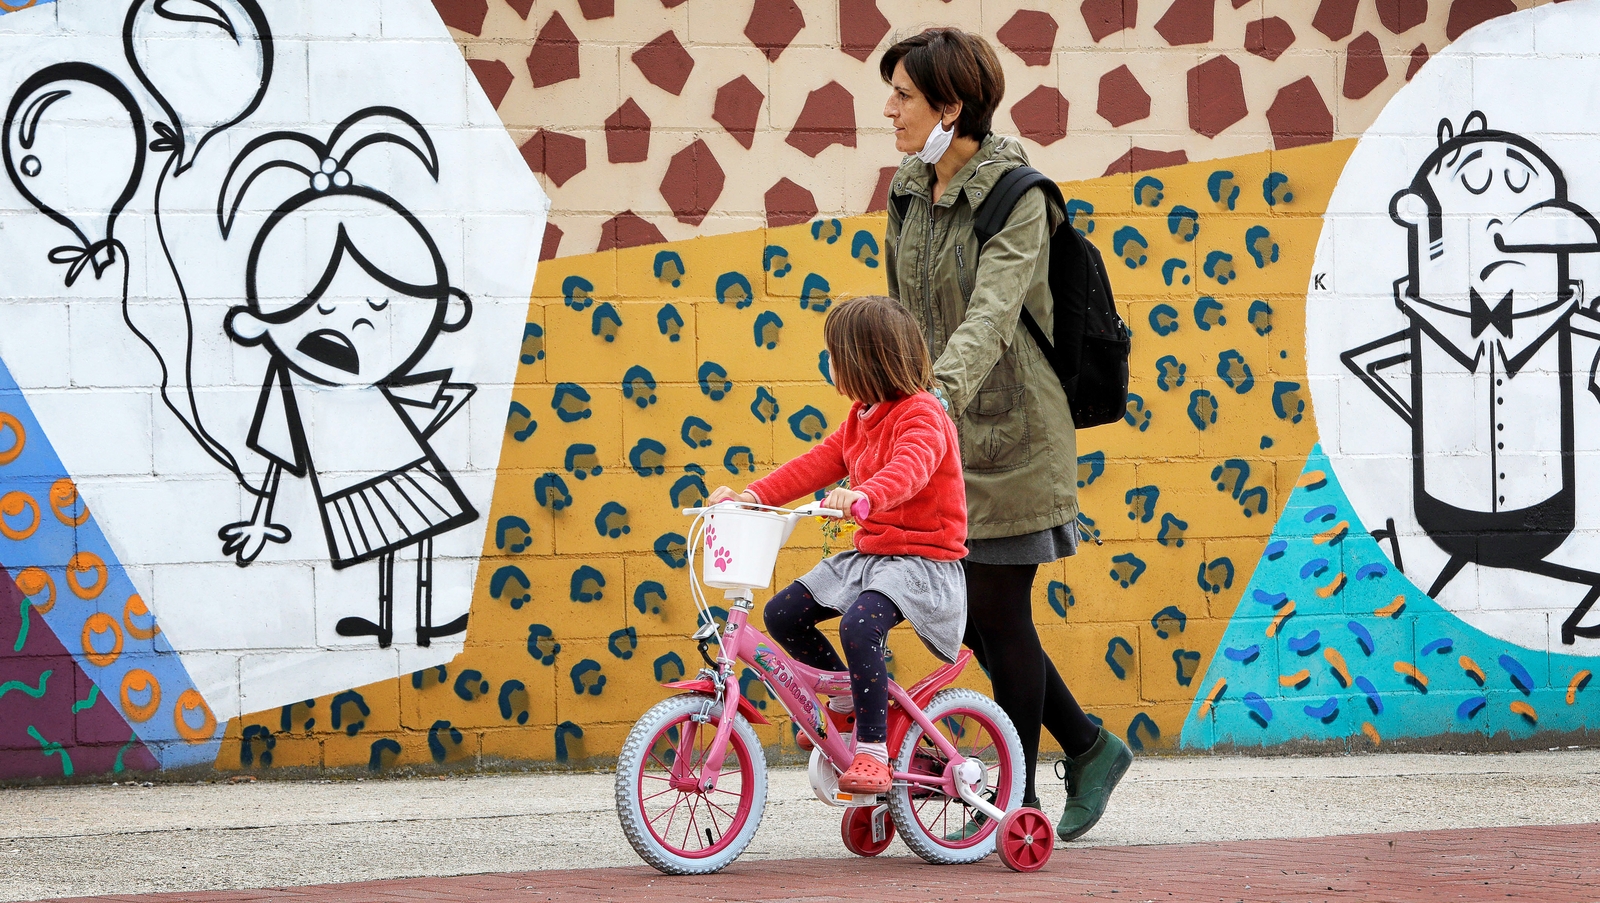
74,147
207,62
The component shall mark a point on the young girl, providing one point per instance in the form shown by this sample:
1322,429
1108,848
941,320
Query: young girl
899,449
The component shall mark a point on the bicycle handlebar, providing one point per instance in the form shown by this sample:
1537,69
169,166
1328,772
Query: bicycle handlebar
803,510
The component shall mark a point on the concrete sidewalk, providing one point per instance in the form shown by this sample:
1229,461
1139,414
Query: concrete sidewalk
73,841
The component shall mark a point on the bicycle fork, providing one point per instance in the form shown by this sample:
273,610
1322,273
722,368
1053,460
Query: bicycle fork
728,690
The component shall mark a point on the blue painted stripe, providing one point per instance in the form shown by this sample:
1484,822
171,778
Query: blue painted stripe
52,544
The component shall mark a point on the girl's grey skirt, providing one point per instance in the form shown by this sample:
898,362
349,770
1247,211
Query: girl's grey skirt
931,594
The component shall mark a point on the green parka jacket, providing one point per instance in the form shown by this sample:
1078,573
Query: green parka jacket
1018,445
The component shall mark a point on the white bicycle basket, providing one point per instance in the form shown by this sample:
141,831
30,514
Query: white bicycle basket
740,546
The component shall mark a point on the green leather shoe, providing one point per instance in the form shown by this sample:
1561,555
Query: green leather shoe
1090,779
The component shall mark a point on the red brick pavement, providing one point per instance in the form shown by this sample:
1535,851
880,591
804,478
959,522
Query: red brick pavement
1547,864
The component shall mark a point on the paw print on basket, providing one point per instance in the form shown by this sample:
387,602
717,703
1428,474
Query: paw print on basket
721,559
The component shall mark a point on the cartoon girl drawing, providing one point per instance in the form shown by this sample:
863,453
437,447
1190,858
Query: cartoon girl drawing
340,404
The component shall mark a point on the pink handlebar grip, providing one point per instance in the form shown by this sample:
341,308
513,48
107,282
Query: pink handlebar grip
861,509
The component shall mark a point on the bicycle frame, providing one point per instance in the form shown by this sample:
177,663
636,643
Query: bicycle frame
796,686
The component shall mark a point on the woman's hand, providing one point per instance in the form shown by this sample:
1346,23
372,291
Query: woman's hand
724,494
843,500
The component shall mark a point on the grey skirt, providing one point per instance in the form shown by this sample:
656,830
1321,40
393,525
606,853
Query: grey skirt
932,595
1042,547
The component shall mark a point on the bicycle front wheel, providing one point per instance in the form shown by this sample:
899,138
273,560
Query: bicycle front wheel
671,823
941,829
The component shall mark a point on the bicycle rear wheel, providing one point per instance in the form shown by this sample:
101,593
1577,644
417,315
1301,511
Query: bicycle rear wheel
927,820
672,824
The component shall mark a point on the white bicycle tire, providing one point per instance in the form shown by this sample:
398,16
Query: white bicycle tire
629,800
935,849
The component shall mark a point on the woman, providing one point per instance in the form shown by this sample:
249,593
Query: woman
1017,442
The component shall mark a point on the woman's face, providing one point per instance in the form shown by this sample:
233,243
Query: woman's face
913,118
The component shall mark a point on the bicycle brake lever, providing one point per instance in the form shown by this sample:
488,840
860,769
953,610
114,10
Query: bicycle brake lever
816,510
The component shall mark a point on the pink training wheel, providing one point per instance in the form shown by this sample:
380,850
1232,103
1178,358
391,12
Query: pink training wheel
856,828
1026,839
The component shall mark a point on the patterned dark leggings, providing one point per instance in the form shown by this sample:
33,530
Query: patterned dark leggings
792,617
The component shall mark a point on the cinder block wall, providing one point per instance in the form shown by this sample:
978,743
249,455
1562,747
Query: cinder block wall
716,175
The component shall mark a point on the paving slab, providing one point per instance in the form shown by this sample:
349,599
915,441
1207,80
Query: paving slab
1549,864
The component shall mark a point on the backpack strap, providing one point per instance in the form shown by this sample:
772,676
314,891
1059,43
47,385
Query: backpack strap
992,214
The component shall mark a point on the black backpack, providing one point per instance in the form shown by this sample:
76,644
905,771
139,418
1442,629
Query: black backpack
1091,343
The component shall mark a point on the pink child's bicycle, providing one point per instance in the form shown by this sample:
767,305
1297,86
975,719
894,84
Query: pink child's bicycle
692,775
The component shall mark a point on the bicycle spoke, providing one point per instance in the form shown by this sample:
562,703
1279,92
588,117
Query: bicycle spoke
711,815
654,795
671,815
672,812
730,816
692,829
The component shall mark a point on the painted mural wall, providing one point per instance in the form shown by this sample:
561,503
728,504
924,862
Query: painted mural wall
321,447
263,298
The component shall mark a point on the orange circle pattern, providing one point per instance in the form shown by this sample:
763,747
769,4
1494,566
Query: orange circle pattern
139,680
83,563
137,609
13,504
191,701
98,623
63,495
32,582
19,435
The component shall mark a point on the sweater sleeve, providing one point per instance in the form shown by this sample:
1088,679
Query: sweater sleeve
920,442
822,466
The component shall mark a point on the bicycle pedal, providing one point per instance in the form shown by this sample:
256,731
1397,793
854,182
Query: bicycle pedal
857,799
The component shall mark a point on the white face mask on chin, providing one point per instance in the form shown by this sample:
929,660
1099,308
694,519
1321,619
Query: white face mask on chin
938,142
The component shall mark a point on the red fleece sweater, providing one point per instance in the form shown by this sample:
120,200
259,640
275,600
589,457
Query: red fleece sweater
904,456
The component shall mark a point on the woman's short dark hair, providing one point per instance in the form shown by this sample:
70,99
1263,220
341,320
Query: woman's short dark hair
949,65
877,349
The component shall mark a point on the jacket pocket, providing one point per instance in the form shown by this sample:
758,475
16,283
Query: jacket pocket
994,431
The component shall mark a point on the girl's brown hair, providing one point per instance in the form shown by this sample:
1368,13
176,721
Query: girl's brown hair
949,65
877,350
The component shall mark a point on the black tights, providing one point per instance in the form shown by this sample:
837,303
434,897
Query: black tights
792,617
1002,638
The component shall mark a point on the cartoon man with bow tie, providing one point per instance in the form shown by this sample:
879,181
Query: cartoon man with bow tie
1488,348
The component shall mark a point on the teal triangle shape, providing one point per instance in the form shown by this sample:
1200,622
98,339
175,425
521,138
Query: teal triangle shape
1330,643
